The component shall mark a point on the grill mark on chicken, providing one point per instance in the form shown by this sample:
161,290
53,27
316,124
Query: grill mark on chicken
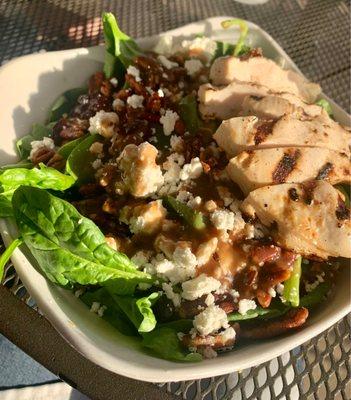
342,212
308,189
263,130
324,172
293,194
285,166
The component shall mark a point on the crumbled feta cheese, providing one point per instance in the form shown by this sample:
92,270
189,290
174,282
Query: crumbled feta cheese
97,163
211,320
103,123
160,93
193,66
272,292
140,258
131,70
96,148
197,287
147,218
194,202
180,268
210,206
167,63
207,46
95,307
279,288
114,82
223,220
117,104
167,92
79,292
180,335
245,305
177,143
171,295
228,334
46,142
234,293
192,170
172,166
209,300
208,352
164,45
101,311
135,101
311,286
206,250
141,174
168,120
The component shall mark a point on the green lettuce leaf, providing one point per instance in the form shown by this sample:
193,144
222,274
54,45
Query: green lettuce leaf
68,247
5,256
192,217
120,48
326,105
66,149
291,292
189,113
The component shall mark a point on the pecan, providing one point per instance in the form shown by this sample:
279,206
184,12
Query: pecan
90,189
263,254
67,129
214,341
267,329
57,162
88,106
98,84
42,155
137,87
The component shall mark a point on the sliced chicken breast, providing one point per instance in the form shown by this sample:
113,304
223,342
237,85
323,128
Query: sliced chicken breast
275,106
310,219
293,130
262,71
257,168
241,98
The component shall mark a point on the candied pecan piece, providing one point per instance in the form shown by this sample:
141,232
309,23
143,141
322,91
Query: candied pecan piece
42,155
98,84
267,329
67,129
263,254
57,162
138,88
88,106
90,189
214,341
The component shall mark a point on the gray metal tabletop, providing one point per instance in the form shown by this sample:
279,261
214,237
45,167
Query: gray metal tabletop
316,35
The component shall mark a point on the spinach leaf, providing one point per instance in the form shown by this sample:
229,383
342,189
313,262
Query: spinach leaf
316,296
189,114
165,343
66,149
192,217
38,132
326,105
20,164
64,103
139,311
120,48
113,314
224,49
80,159
43,177
5,256
68,247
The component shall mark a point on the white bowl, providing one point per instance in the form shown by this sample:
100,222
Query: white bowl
28,86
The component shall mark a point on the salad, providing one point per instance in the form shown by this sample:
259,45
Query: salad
193,196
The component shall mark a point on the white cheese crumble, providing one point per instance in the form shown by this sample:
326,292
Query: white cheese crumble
272,292
199,286
79,292
140,258
114,82
117,104
172,166
228,334
160,93
46,142
135,101
177,143
279,288
245,305
311,286
164,45
210,320
168,120
171,295
192,170
207,46
223,220
166,62
209,300
193,66
97,163
95,307
206,250
101,311
96,148
131,70
103,123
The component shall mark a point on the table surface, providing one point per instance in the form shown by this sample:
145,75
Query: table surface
316,35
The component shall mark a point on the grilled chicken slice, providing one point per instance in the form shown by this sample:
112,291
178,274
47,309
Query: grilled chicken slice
257,168
262,71
310,218
293,130
241,98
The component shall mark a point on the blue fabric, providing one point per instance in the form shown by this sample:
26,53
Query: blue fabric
18,369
